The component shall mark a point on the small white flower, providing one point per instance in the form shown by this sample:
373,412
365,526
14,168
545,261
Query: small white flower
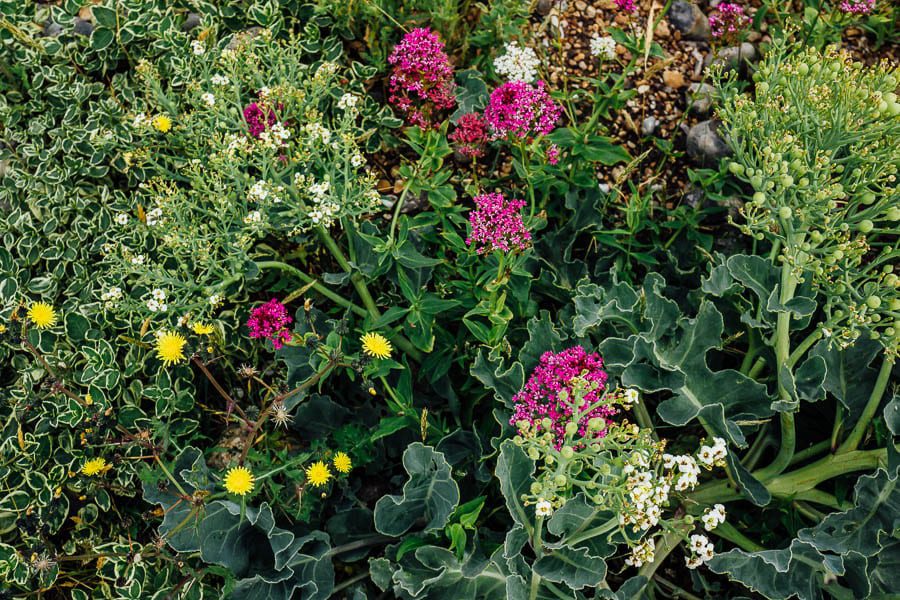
348,102
357,160
215,300
208,99
668,461
692,562
158,294
197,47
706,456
152,305
603,48
122,218
698,542
154,216
264,92
543,508
219,79
254,216
138,259
631,396
518,64
140,120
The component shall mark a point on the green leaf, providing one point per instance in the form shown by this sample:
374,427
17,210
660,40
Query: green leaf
104,16
515,472
430,494
101,38
574,567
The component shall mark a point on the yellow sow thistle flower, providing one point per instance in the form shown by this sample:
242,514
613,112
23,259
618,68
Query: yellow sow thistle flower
318,474
42,315
342,462
239,480
95,466
162,123
170,348
202,329
376,345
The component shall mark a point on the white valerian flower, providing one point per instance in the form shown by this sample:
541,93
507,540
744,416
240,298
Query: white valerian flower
692,562
357,160
122,218
197,47
218,79
348,102
518,64
208,99
603,48
154,216
543,508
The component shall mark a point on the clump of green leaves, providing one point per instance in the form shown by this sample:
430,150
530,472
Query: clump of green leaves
817,145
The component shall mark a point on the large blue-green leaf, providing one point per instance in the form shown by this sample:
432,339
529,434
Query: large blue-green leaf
430,494
515,472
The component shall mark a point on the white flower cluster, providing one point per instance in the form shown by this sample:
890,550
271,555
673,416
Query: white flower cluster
603,48
713,517
642,553
518,64
253,217
701,551
122,218
348,102
215,300
208,99
138,259
631,396
713,456
220,80
198,48
316,131
264,192
140,121
276,135
543,508
154,216
111,296
647,494
157,301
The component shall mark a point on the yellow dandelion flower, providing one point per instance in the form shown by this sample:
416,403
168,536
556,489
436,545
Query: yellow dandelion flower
42,315
375,344
162,123
88,400
318,474
95,466
202,329
342,462
170,348
2,328
239,480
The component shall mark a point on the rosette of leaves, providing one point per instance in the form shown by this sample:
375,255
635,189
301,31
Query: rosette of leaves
825,196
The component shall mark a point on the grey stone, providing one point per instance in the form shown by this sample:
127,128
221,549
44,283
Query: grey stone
687,18
51,29
705,145
649,125
695,198
543,7
733,58
700,97
192,21
248,34
83,27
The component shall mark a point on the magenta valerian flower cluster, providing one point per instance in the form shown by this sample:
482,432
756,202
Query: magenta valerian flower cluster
270,321
728,20
540,398
258,118
422,80
520,109
553,154
628,6
497,224
470,136
857,7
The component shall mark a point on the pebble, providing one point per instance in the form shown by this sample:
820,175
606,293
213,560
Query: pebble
734,57
543,7
83,27
673,79
705,145
689,20
51,29
700,98
192,21
649,125
580,5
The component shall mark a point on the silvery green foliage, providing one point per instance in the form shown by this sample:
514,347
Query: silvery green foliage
861,545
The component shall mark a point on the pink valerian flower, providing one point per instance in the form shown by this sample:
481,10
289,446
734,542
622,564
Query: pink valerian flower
728,20
270,321
497,224
258,119
521,109
857,7
539,399
553,154
422,80
628,6
470,135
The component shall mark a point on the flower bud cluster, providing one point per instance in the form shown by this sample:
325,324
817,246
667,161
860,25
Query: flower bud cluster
830,201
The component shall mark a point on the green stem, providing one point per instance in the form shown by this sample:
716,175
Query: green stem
803,346
538,552
355,277
399,205
334,297
729,532
642,416
859,430
594,532
808,511
812,451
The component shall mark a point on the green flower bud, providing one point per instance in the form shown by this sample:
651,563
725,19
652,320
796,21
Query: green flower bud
533,453
560,480
757,182
546,423
816,237
894,213
762,87
785,212
787,181
865,226
736,168
689,519
873,302
759,198
536,488
571,428
803,68
567,452
868,198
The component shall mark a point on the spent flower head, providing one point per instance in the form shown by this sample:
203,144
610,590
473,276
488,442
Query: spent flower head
470,135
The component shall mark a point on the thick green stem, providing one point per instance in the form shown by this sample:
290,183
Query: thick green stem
355,277
538,552
859,430
812,451
728,531
334,297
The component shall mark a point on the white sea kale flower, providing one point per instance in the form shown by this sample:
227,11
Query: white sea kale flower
603,48
518,64
543,508
642,553
713,517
